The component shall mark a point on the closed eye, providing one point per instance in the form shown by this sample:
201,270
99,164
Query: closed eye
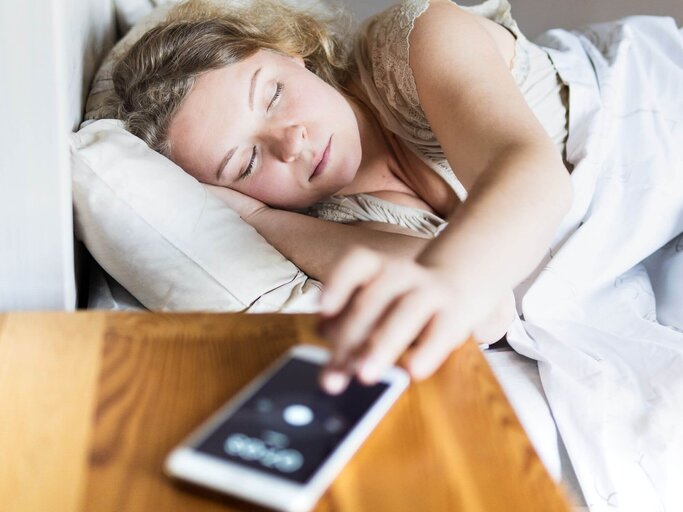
250,167
278,91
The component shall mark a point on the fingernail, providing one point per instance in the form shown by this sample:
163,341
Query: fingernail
417,371
369,372
335,382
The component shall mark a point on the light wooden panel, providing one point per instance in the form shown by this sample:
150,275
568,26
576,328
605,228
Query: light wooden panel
92,403
451,443
48,53
156,386
48,377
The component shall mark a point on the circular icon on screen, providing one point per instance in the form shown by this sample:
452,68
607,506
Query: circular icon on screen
334,425
252,449
264,405
289,461
298,415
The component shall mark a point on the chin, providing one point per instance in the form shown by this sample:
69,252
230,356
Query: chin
346,176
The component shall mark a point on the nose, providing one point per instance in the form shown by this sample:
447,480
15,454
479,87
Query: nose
291,142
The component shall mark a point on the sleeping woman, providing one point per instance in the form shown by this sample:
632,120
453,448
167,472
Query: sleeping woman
419,174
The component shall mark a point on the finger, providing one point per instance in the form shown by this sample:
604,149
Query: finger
223,193
433,347
334,382
337,372
335,378
213,189
394,334
342,348
369,304
354,270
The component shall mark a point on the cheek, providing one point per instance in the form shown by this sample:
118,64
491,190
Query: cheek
274,188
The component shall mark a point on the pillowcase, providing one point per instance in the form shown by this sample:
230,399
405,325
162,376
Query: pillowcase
102,87
170,243
130,12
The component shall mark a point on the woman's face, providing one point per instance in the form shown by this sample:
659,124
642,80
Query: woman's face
269,128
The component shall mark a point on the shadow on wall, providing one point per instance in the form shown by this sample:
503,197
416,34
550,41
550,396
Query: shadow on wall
534,17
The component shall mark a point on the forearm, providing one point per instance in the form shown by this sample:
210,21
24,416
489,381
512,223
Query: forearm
315,245
505,227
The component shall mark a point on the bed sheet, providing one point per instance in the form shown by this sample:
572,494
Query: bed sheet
602,313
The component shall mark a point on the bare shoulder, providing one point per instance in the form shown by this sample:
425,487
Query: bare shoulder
445,33
473,104
502,37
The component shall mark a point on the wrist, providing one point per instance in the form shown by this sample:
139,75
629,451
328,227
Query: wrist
256,215
484,290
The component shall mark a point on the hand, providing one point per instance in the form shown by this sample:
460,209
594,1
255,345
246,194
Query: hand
243,204
377,308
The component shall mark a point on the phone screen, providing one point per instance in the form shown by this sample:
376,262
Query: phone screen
289,427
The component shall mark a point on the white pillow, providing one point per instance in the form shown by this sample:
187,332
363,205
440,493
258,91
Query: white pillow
156,230
130,12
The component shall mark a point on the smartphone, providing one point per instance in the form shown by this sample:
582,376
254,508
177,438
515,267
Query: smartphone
282,440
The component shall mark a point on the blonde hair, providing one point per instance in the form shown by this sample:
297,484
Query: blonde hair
153,77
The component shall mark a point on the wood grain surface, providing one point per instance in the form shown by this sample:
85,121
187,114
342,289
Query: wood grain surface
96,401
48,383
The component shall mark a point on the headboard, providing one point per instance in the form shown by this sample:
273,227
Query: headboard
48,57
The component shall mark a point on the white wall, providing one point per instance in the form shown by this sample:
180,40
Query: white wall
42,80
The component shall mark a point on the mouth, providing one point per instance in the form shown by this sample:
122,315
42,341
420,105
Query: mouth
322,160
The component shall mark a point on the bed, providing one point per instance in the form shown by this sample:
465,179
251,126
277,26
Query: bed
46,268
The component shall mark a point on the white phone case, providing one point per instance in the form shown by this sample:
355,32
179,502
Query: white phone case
253,485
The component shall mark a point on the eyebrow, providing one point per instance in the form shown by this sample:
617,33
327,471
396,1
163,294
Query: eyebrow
228,155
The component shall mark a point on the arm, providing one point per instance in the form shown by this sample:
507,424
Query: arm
519,189
380,309
315,245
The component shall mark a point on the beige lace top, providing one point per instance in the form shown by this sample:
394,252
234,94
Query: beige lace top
381,54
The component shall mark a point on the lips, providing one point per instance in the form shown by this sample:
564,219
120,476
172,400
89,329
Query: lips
322,160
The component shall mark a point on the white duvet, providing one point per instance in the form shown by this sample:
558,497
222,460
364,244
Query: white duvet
603,313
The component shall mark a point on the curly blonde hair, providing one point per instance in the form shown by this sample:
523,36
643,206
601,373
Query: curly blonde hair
154,76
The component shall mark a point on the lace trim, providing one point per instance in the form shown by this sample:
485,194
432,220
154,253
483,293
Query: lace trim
391,71
365,207
390,56
395,91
